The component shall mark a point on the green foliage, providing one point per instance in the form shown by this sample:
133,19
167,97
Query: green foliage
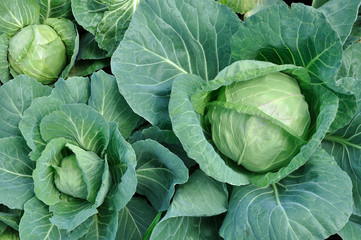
228,119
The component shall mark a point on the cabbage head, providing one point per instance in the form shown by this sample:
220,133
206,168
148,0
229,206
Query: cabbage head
254,122
42,46
37,51
274,130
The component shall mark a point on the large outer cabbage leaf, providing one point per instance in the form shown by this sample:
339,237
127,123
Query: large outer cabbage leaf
165,39
313,202
191,211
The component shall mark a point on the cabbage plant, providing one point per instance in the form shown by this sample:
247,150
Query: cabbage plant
36,41
251,102
70,177
80,182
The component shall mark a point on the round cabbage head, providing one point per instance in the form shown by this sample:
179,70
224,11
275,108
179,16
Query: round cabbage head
260,123
37,51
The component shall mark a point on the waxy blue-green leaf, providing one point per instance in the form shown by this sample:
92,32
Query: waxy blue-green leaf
193,38
4,65
16,14
35,224
122,161
107,20
350,71
348,86
70,214
134,219
345,143
183,228
355,33
88,13
106,99
345,146
165,137
191,209
30,123
352,229
158,171
16,170
15,97
54,9
341,14
351,62
72,90
299,35
313,202
104,225
79,123
115,21
200,196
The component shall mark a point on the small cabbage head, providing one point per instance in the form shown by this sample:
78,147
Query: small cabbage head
37,51
260,123
79,173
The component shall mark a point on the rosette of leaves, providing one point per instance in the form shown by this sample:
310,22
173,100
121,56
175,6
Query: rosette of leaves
261,140
91,166
107,21
79,178
37,39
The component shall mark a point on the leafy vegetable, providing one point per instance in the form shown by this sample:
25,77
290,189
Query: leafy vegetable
180,119
240,131
43,46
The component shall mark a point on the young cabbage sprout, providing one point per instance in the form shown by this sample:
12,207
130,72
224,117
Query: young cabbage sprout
37,51
274,128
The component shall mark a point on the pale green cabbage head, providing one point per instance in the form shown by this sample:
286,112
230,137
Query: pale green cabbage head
261,123
37,51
